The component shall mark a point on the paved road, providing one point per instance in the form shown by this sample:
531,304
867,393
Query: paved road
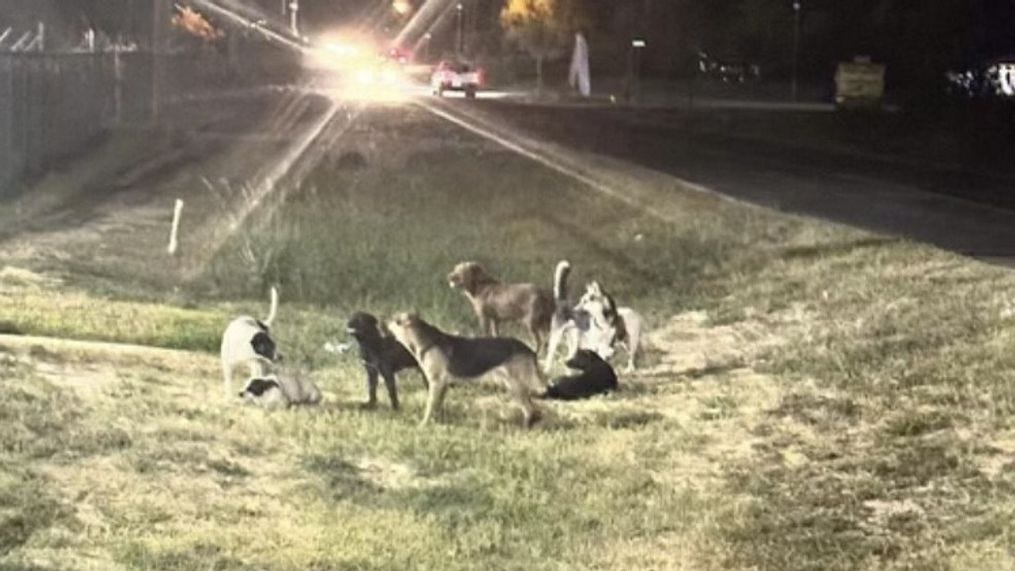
901,200
898,199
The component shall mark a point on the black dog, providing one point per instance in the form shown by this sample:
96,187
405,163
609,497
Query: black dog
381,355
596,377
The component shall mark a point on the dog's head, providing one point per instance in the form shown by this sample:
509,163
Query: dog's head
257,387
584,360
468,276
264,392
598,303
363,326
404,327
264,345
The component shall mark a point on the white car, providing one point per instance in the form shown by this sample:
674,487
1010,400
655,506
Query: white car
456,76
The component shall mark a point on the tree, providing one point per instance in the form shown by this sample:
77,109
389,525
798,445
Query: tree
541,27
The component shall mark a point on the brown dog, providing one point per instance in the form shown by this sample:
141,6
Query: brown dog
446,358
495,302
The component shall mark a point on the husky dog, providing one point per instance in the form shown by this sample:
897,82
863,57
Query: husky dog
610,326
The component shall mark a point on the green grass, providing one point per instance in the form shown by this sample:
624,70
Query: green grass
842,402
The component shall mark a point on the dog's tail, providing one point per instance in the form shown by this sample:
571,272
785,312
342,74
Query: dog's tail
560,281
274,307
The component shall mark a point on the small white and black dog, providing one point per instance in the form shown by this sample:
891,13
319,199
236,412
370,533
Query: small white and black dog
247,341
280,391
610,325
595,377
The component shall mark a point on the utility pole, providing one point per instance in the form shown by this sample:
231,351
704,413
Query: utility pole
426,46
796,49
160,25
294,17
458,40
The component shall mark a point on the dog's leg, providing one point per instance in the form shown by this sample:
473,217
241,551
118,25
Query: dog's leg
551,347
633,342
484,323
371,388
520,378
435,400
573,339
523,396
537,339
493,327
389,383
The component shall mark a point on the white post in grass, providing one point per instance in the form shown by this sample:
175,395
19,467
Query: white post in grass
174,234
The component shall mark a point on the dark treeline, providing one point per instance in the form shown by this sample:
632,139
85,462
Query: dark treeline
917,39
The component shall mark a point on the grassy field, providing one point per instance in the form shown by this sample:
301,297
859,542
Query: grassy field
814,397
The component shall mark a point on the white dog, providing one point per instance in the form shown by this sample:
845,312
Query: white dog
281,391
566,324
247,341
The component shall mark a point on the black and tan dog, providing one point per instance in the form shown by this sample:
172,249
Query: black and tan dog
595,377
495,301
382,356
446,358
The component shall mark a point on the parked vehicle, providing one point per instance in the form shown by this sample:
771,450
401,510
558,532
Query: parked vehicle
727,70
456,76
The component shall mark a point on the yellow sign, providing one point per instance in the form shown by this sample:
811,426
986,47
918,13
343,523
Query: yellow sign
859,83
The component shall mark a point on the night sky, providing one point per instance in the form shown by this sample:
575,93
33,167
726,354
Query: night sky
992,26
995,29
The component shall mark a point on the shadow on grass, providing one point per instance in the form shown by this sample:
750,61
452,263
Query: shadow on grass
835,248
28,508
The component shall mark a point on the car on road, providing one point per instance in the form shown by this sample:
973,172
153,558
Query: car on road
456,76
728,69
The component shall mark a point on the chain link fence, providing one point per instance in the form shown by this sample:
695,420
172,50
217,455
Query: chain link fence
53,104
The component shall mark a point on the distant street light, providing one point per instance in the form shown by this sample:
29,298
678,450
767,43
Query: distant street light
401,7
634,63
459,47
426,46
796,48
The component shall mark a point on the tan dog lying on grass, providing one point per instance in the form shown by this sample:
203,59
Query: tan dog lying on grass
446,358
494,301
